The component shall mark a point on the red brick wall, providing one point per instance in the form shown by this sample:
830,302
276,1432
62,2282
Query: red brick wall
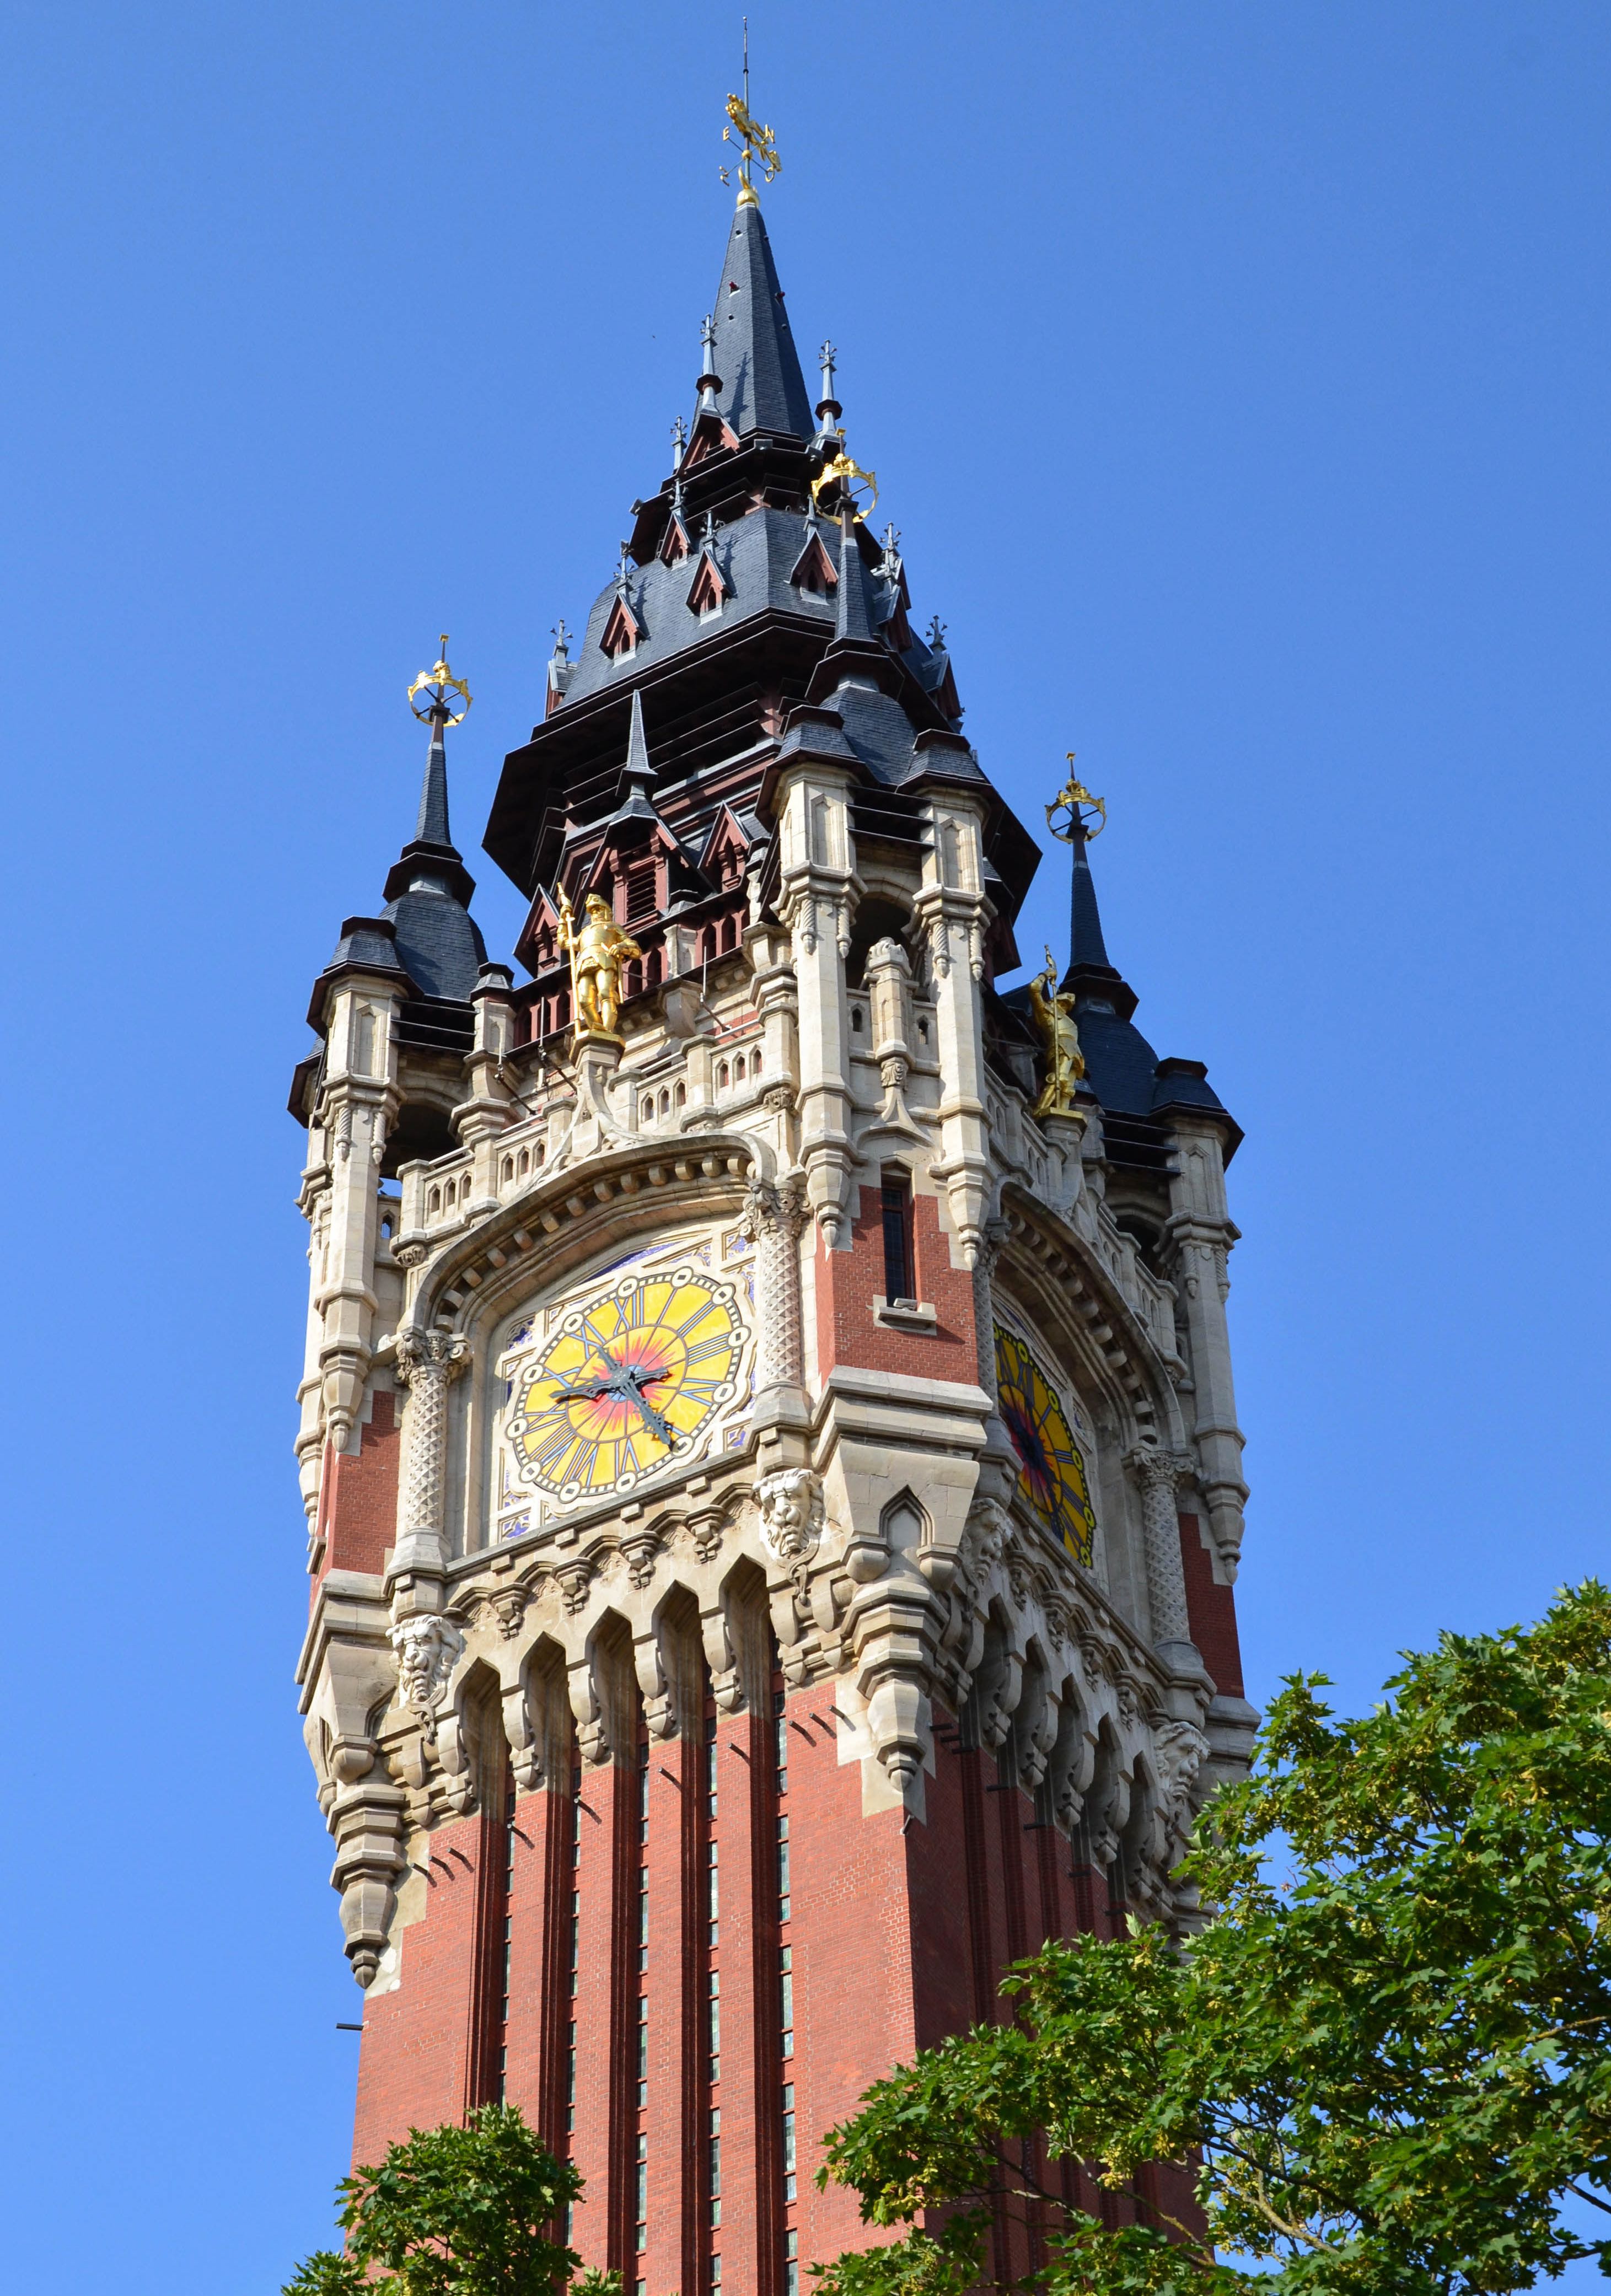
357,1495
1212,1610
415,2060
849,1281
899,1935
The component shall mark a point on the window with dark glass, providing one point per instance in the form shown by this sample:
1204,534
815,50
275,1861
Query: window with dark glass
900,1279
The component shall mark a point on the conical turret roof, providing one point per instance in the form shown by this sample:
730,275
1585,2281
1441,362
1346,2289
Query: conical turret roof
762,388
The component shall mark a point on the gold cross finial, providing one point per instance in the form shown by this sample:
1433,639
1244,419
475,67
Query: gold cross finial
437,682
758,142
1081,814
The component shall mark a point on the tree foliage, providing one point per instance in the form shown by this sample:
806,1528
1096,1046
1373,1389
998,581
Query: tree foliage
1387,2055
456,2212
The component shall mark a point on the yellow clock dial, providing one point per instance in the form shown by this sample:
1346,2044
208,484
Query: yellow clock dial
629,1382
1052,1469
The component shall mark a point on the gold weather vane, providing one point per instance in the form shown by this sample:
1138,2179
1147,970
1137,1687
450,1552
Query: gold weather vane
439,682
1083,815
758,142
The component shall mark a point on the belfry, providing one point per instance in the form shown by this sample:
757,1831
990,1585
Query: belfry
773,1482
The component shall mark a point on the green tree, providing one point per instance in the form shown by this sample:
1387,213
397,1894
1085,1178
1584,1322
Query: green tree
1387,2055
456,2212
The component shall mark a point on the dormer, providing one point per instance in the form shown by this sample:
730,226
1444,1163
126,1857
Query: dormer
711,436
623,630
674,543
727,851
814,570
710,589
538,947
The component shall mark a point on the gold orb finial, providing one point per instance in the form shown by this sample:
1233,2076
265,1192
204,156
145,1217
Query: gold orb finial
439,682
1075,812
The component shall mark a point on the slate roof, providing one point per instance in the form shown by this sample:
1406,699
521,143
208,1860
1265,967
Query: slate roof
762,388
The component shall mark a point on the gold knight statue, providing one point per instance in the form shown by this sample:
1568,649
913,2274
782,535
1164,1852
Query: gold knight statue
599,955
1054,1014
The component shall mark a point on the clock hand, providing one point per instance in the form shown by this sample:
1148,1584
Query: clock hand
652,1418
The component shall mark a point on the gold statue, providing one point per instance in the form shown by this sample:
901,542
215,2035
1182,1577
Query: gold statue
599,955
1054,1013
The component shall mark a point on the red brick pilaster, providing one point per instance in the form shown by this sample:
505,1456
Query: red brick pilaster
746,2173
598,2141
539,1970
676,2099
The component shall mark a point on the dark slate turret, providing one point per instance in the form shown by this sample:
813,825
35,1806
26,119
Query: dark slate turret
425,931
1122,1069
428,895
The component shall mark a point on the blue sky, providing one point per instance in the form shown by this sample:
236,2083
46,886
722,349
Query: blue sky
1235,374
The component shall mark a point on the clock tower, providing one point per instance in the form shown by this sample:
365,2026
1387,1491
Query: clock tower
772,1479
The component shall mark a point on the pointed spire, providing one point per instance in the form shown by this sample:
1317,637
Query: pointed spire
637,765
432,827
428,887
762,388
1075,817
1086,946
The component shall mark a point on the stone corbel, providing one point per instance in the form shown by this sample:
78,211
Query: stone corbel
1001,1703
726,1680
792,1514
1037,1741
592,1733
898,1718
660,1703
428,1648
1180,1750
525,1751
368,1822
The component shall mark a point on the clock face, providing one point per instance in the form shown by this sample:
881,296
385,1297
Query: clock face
1053,1469
628,1380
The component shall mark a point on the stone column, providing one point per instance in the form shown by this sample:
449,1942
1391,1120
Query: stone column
426,1363
1158,1472
775,1214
